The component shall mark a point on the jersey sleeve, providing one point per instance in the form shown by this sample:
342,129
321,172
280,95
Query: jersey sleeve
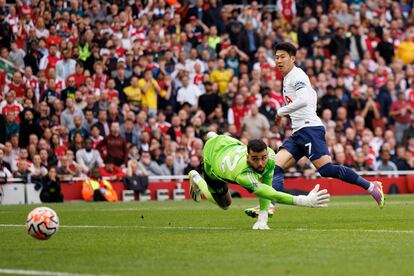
248,180
303,97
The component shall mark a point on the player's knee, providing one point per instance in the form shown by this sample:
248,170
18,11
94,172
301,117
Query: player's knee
225,203
329,170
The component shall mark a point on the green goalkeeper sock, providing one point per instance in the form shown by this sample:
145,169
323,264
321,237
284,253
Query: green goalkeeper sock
267,192
264,204
202,184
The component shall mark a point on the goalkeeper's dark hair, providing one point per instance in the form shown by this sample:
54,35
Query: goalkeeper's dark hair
256,145
287,47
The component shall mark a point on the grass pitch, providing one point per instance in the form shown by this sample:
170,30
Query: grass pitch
351,237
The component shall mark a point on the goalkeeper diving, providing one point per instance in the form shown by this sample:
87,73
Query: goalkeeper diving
227,160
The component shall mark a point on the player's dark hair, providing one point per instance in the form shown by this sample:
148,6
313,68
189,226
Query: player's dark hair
287,47
256,145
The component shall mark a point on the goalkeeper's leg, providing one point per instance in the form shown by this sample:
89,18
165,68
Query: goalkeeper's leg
198,186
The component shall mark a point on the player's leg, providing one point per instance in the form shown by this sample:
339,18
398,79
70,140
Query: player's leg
327,169
284,160
222,200
198,187
215,191
317,151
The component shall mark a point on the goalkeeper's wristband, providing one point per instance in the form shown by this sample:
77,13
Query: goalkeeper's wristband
301,200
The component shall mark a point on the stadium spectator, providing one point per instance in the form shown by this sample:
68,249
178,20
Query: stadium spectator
115,146
129,132
150,166
110,171
10,104
22,171
237,112
78,129
93,54
188,93
51,189
66,66
385,163
4,173
38,170
11,126
193,165
67,169
17,85
401,113
69,113
221,76
150,90
28,126
3,163
256,124
97,189
69,91
17,55
88,157
135,168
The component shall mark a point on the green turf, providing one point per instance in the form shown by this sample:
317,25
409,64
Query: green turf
185,238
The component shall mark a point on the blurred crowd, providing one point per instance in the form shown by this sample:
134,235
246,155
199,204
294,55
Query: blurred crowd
132,87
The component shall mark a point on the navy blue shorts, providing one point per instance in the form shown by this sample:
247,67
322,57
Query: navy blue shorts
307,141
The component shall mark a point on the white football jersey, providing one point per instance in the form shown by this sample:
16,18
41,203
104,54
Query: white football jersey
300,100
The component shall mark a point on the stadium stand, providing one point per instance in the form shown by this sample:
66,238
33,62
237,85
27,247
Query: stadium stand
146,80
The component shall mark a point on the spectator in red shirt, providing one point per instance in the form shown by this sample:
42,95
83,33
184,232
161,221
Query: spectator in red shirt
79,74
115,145
237,112
111,171
401,112
17,85
50,60
53,38
10,104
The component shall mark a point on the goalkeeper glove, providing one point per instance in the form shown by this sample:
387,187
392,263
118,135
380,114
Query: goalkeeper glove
315,198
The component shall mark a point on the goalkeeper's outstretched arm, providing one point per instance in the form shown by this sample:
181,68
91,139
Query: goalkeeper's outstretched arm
315,198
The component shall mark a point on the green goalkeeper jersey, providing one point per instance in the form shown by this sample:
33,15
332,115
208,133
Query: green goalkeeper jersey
225,159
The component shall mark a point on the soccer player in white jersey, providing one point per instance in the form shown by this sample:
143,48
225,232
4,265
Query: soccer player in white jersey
308,138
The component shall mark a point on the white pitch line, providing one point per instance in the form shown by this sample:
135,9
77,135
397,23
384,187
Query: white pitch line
353,230
225,228
39,272
133,227
189,208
